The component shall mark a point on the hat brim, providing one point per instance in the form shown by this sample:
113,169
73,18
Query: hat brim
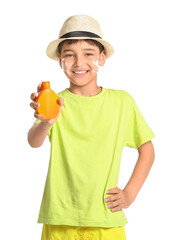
52,47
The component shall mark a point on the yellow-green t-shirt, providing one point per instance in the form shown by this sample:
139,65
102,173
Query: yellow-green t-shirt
86,145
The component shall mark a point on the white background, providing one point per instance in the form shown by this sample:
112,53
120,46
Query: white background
141,33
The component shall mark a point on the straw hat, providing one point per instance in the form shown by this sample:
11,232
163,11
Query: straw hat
79,27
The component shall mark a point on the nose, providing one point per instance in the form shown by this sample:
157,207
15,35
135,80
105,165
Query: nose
78,61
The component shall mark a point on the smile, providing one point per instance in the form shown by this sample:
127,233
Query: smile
80,72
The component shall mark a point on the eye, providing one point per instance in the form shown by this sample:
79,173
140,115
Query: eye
89,54
68,55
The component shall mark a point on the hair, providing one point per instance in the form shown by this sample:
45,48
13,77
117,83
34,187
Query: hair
71,41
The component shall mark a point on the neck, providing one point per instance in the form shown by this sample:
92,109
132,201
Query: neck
86,91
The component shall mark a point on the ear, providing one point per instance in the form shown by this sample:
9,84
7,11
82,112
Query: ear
59,60
102,58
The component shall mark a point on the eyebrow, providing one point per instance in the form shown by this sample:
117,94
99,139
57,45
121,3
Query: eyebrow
85,49
88,49
67,50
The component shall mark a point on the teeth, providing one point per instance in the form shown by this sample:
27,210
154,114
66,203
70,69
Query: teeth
81,72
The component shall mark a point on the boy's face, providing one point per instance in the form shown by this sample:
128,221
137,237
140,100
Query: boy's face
80,62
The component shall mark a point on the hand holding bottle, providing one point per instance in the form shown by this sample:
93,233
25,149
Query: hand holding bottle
35,106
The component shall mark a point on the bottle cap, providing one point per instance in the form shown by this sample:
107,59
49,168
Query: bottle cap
45,85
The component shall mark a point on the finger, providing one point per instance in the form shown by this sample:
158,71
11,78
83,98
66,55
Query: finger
60,101
39,87
115,203
33,96
38,116
114,190
118,208
112,198
34,105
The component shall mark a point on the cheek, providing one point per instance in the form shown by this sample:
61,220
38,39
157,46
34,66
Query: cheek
65,66
95,65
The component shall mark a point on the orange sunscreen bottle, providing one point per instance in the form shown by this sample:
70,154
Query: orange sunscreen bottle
48,100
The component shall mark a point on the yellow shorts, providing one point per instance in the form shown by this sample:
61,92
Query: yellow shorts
64,232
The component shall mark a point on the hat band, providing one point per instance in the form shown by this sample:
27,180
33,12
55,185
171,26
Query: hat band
80,34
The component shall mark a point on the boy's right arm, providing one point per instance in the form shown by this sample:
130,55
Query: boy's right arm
39,131
37,134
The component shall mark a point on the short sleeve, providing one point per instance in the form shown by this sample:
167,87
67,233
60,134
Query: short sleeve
138,132
50,130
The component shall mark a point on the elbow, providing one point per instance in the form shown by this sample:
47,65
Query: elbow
32,143
34,146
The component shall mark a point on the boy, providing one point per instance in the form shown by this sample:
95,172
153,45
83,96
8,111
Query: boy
87,137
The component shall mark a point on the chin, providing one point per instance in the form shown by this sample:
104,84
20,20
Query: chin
80,84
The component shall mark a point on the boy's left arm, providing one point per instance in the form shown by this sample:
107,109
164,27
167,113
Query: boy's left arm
124,198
